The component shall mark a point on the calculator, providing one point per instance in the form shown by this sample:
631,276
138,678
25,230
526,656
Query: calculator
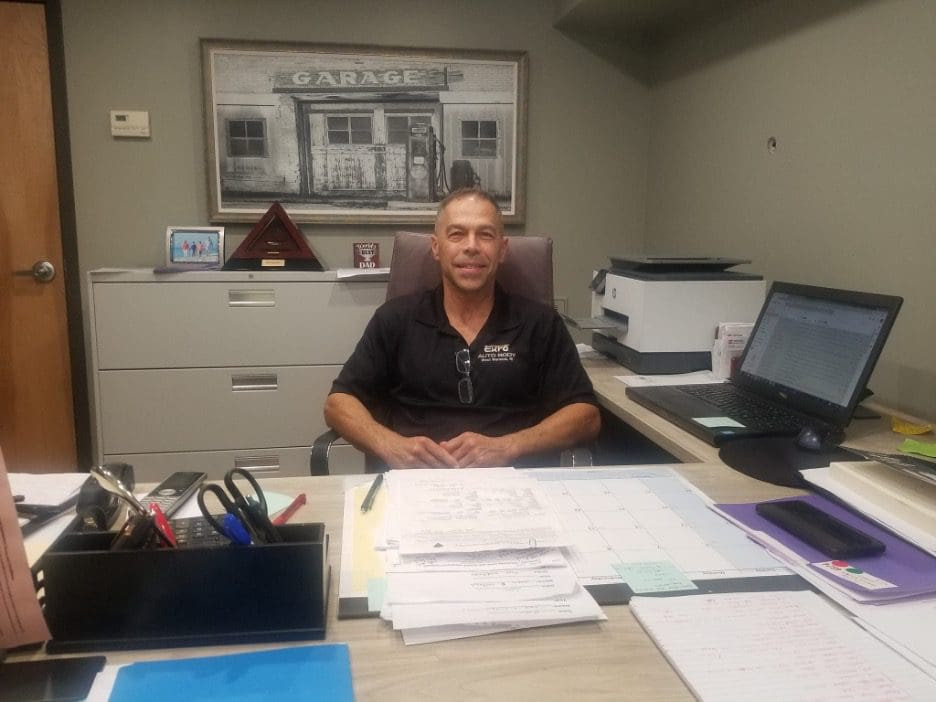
196,532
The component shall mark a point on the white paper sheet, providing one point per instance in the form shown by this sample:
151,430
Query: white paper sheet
776,646
471,510
486,560
578,606
480,586
346,273
46,488
696,378
636,514
432,634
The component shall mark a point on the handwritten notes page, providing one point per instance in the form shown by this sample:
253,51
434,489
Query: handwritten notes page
775,646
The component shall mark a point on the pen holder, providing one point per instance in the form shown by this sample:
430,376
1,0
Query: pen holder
94,598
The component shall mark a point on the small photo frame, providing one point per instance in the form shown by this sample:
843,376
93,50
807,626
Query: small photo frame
196,246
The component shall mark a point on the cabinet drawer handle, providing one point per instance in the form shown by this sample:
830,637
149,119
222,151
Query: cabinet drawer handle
245,383
258,464
251,298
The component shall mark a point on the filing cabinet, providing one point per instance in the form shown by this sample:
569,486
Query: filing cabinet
212,370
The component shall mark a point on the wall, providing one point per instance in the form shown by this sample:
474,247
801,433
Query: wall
848,199
587,131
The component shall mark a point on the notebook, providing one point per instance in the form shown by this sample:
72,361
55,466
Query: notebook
807,362
782,646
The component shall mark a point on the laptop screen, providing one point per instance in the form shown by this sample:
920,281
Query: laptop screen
814,348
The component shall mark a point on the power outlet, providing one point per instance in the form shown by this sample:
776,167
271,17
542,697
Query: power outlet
561,304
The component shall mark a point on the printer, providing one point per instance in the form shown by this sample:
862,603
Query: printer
659,315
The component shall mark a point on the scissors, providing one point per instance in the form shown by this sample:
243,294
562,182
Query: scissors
246,519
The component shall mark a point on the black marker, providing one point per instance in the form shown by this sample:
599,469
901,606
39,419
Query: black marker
371,494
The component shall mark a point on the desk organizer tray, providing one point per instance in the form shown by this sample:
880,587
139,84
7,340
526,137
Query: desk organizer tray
96,599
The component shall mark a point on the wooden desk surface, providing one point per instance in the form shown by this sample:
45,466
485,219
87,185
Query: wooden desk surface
611,660
868,434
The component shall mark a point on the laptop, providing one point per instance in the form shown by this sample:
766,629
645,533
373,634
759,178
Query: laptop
806,363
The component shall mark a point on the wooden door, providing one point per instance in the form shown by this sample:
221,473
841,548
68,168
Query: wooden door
37,426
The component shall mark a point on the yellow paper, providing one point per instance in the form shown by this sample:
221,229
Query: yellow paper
909,428
368,563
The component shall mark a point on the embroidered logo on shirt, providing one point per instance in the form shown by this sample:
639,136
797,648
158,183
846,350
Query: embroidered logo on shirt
494,353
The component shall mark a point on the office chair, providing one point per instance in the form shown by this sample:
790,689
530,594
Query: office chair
527,271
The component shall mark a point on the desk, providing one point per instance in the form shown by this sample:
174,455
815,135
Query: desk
868,434
611,660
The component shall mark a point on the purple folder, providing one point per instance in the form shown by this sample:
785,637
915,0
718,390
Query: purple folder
911,570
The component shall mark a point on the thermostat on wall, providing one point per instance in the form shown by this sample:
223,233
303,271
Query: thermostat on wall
130,123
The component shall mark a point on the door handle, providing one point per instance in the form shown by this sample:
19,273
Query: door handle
42,271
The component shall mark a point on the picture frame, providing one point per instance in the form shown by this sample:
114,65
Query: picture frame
198,247
342,133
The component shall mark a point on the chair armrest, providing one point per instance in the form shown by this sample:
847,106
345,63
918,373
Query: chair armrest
318,459
576,457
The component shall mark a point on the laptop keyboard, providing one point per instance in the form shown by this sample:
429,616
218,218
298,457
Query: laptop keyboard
749,410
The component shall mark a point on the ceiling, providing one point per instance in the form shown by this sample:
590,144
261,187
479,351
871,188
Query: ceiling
641,24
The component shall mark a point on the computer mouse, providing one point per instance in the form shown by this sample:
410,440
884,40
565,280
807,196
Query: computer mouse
809,439
819,441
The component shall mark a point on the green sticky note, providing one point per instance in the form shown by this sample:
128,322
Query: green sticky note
276,501
376,589
921,447
654,576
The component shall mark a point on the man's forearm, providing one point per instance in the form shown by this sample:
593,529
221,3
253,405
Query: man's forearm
569,426
353,421
349,417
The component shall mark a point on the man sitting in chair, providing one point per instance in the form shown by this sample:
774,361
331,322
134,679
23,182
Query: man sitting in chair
467,374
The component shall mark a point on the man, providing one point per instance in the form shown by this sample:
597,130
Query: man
467,374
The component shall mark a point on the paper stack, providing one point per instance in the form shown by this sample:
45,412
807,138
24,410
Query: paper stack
892,595
474,552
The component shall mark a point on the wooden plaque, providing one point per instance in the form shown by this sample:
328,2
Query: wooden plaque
275,242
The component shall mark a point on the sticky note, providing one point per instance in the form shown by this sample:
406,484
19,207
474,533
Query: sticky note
276,501
713,422
921,447
654,576
376,590
901,426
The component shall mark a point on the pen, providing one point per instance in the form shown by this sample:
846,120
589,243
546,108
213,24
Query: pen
287,513
371,494
234,530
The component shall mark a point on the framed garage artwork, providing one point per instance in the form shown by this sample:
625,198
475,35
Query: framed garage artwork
360,134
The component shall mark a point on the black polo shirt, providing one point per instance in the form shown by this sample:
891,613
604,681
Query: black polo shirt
524,367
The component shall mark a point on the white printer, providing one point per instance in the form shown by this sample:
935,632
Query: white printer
659,315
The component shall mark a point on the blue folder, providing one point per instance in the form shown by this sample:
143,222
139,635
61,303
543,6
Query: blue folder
296,674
